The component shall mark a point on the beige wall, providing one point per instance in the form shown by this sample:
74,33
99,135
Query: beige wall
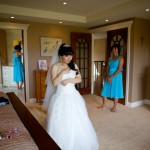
139,77
131,64
34,32
99,49
140,51
148,79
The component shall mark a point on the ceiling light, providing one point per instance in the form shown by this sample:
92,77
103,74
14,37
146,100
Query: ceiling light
106,20
65,3
12,17
60,22
147,9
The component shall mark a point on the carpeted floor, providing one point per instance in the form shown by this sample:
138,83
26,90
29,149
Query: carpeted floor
126,129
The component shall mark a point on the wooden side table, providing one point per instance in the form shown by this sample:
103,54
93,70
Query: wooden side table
40,76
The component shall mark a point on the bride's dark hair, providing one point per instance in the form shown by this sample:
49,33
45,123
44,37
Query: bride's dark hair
66,49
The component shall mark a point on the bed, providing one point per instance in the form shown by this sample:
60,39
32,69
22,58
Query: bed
26,132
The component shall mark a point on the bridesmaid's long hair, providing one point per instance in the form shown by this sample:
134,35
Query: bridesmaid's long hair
66,49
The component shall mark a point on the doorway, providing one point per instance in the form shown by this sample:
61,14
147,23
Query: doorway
9,38
106,28
99,54
119,36
22,28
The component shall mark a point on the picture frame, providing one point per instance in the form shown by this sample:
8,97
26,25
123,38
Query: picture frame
49,45
42,64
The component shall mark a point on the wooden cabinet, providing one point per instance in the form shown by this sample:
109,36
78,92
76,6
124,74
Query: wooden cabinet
40,76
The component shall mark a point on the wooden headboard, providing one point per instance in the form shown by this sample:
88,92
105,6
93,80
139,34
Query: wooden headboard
37,132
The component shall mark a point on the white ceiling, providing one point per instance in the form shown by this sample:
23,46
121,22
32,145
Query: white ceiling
86,13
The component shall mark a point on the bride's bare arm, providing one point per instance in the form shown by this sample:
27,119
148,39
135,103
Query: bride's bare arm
55,76
77,79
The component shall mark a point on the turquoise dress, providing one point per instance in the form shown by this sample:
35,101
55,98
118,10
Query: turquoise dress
18,68
115,88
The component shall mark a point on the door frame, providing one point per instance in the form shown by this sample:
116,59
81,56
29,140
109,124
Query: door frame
123,32
24,27
104,29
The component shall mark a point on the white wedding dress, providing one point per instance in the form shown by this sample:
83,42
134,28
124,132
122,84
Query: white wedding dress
67,119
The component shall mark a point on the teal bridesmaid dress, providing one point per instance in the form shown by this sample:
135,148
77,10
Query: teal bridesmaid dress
115,88
18,69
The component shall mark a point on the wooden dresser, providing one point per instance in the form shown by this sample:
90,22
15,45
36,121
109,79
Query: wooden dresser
40,76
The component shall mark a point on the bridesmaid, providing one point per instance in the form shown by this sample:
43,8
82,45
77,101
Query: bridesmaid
18,67
113,86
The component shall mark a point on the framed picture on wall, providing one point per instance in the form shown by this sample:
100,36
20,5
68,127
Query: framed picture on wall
49,45
42,64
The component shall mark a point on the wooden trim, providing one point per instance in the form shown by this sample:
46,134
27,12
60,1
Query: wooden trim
115,22
37,132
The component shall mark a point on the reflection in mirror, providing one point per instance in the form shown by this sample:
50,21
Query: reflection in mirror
8,39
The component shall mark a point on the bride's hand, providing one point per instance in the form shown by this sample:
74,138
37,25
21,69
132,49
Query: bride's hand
64,82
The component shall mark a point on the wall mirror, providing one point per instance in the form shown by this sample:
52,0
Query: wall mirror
12,34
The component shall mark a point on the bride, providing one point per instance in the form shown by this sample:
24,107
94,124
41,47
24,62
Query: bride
67,120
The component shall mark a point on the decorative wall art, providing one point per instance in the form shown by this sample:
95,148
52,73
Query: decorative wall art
49,45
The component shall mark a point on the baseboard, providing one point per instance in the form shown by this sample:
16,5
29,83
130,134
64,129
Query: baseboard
32,100
138,103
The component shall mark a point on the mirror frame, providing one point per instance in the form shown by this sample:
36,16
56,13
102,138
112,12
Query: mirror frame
24,27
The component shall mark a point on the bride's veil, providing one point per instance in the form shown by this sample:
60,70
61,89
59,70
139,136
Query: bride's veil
50,89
